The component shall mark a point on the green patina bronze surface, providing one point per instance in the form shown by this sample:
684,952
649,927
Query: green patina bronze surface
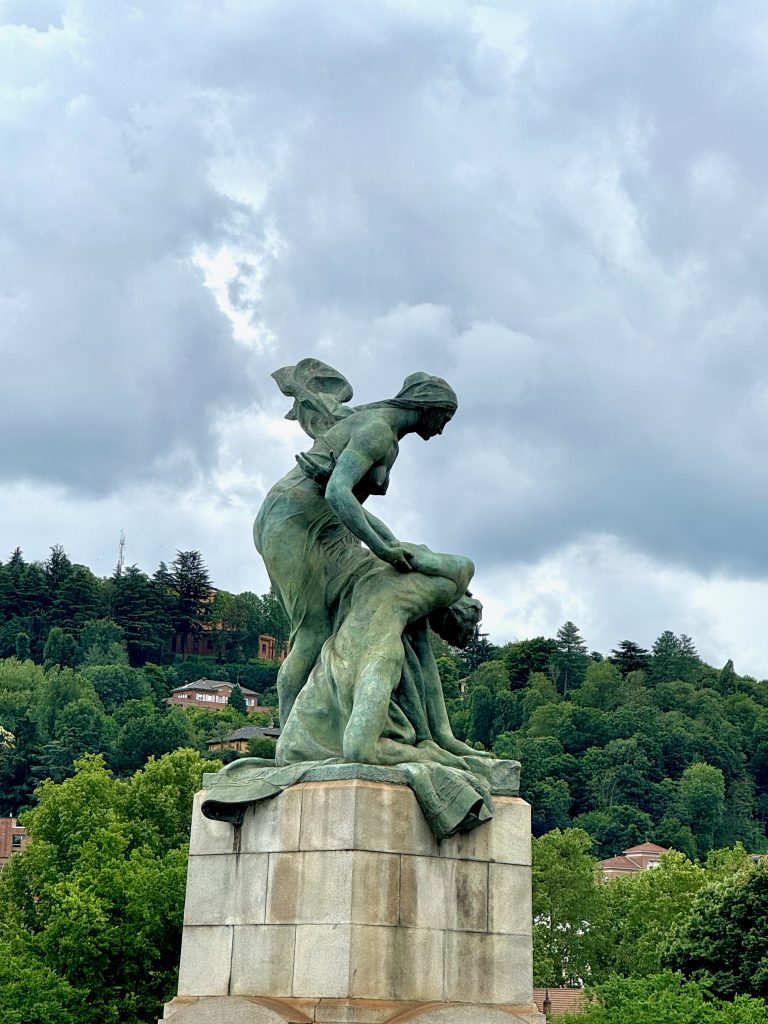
360,685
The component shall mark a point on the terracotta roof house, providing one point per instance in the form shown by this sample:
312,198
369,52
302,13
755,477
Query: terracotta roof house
636,858
240,738
213,694
554,1002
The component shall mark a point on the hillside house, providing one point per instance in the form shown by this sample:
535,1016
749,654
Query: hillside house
636,858
213,695
13,839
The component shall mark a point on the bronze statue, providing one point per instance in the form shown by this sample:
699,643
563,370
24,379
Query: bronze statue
360,684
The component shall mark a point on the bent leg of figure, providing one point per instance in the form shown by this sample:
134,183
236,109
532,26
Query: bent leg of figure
363,742
294,672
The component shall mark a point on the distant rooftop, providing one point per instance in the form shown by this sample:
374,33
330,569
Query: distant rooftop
646,848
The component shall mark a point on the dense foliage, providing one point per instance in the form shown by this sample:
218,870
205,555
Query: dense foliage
638,745
91,911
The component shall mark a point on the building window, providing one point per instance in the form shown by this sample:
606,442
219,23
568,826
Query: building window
16,842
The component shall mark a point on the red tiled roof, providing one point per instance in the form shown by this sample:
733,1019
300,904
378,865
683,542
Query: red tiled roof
562,1000
620,862
647,848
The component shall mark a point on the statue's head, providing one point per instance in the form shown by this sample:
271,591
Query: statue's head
432,398
457,624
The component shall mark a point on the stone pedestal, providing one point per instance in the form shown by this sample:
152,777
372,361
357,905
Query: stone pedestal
334,903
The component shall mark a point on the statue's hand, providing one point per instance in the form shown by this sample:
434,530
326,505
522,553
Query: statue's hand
397,556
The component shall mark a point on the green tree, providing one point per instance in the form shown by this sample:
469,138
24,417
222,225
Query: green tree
616,828
628,657
141,607
22,646
526,656
571,658
98,894
673,658
602,687
193,591
565,903
77,599
725,938
261,746
101,643
481,707
116,684
727,680
236,700
637,914
449,676
60,649
664,997
701,802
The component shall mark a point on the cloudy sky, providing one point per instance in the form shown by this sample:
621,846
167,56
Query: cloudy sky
559,206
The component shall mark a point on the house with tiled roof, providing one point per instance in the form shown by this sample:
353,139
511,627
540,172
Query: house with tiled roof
636,858
213,695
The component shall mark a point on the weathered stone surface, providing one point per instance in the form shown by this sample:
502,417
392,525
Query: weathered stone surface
262,960
347,933
206,958
209,836
274,826
399,963
488,968
226,889
509,899
385,820
334,887
232,1010
440,893
458,1014
507,842
328,818
321,961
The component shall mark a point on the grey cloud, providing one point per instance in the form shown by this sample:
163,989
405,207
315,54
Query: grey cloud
559,208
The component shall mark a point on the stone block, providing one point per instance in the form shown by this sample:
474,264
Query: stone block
206,956
440,893
333,887
328,819
209,836
389,819
273,825
488,968
230,1010
321,960
396,963
509,899
454,1014
226,889
262,960
507,840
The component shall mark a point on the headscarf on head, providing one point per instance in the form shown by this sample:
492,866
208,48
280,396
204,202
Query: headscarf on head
420,390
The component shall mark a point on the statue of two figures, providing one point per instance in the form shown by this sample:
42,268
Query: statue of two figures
360,694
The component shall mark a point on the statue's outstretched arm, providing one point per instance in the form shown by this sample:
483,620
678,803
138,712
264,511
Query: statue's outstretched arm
381,528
